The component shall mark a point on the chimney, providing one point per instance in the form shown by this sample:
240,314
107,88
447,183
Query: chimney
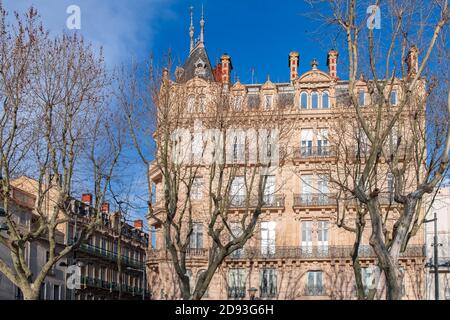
86,198
412,60
226,67
332,63
217,72
105,207
293,64
139,224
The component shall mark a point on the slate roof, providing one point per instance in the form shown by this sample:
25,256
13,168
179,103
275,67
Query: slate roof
198,56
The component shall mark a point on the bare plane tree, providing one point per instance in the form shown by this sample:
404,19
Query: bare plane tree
55,128
387,129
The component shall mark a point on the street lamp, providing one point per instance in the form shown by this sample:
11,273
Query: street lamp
144,280
252,293
436,262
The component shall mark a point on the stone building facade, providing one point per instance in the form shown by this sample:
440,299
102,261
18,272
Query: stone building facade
297,250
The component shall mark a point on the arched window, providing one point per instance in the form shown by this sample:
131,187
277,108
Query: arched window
191,104
304,100
314,100
202,104
325,100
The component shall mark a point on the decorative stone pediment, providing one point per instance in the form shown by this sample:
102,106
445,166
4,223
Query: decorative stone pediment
314,76
268,85
238,86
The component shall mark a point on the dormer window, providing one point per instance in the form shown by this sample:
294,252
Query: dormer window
268,102
325,100
200,68
304,100
393,98
191,104
238,103
314,100
361,98
202,104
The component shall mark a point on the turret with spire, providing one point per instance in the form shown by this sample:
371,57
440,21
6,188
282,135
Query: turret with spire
191,29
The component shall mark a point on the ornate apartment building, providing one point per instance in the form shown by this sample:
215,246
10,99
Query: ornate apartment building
114,241
297,250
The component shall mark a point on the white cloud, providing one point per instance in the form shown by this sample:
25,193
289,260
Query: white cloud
123,28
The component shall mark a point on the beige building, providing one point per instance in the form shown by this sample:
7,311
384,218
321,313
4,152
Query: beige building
297,250
116,240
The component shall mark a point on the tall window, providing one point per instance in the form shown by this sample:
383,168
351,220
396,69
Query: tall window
393,98
269,190
306,142
322,186
197,188
268,237
236,283
307,189
322,237
268,282
191,104
237,191
236,230
361,98
196,238
325,100
306,236
315,283
304,100
369,278
314,100
237,150
268,102
322,143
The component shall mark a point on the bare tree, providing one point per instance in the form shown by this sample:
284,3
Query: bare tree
199,147
53,119
383,125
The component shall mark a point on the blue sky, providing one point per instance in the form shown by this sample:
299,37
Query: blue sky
257,34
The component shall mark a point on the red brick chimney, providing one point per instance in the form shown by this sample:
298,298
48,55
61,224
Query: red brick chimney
332,63
105,207
412,60
226,68
294,58
139,224
218,73
87,198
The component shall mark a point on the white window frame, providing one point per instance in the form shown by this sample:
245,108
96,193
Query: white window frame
304,93
268,237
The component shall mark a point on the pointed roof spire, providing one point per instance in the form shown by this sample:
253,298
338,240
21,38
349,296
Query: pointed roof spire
202,28
191,29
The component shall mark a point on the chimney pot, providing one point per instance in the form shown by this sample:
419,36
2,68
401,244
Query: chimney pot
105,207
293,64
139,224
332,63
86,198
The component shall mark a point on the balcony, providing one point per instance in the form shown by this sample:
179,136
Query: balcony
111,286
314,252
236,292
109,255
270,201
314,291
312,153
314,200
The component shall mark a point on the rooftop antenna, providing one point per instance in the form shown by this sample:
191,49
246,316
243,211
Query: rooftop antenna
191,29
253,74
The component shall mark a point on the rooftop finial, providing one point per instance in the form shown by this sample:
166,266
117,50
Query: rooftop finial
202,27
314,64
191,29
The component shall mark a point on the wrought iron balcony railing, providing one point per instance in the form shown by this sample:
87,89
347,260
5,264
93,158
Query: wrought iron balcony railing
314,252
313,152
269,201
109,255
236,292
111,286
314,199
314,291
